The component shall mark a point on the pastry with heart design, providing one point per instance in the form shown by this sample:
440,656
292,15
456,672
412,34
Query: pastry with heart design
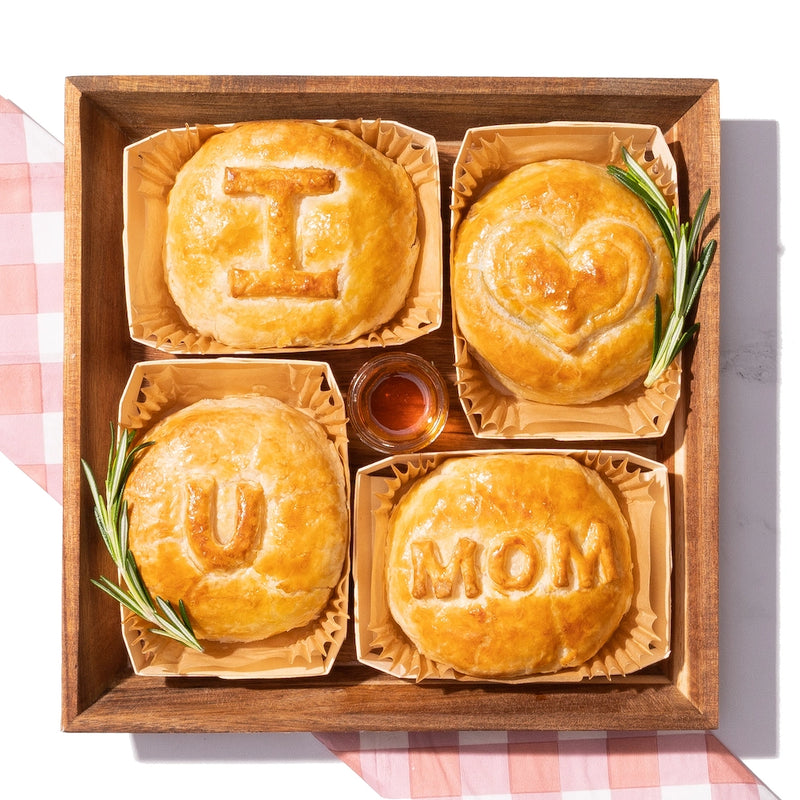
239,508
504,565
555,273
289,233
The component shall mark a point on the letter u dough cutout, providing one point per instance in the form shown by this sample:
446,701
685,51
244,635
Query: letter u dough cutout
546,582
289,233
239,509
555,273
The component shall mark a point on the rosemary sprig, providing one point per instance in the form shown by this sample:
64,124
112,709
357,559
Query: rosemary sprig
683,240
111,513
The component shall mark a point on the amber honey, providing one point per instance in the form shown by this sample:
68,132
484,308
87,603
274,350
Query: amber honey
398,403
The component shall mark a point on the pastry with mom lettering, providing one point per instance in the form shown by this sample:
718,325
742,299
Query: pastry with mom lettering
507,565
239,509
289,233
555,273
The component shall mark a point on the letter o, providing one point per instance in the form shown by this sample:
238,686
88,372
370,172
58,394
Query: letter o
499,563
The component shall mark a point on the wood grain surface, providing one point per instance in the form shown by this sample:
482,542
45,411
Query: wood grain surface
99,691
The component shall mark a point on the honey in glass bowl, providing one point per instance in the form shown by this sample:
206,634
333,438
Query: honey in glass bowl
398,403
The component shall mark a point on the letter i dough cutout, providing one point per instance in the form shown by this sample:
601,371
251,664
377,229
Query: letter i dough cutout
506,565
289,233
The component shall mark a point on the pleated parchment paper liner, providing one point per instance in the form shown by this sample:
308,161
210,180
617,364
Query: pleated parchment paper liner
158,388
643,637
149,170
486,155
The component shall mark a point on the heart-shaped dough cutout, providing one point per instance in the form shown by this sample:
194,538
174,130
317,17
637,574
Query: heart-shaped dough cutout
571,289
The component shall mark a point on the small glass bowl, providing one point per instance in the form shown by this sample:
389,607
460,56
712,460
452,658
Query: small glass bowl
398,403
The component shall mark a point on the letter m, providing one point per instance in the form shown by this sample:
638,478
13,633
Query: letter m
427,564
567,555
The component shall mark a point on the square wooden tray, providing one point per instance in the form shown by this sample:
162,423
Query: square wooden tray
99,691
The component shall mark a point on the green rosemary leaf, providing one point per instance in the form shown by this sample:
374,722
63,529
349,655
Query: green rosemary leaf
699,275
637,180
118,594
657,328
697,221
123,528
111,514
176,626
133,579
680,271
92,487
689,267
184,614
655,198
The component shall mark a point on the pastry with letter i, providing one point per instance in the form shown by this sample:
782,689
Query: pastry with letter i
239,508
555,273
508,565
289,233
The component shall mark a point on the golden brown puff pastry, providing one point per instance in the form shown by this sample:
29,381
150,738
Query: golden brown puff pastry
506,565
239,509
556,269
289,233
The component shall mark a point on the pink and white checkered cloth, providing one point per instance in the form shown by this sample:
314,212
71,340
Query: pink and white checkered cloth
528,765
498,765
31,297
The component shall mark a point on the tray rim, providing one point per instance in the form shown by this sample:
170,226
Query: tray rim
688,701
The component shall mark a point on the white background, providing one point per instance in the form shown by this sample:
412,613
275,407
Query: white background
752,51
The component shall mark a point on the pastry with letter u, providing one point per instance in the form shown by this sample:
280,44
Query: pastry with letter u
289,233
555,273
507,565
239,508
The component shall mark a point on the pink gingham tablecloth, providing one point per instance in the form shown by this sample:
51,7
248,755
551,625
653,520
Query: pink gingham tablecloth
549,765
31,297
519,765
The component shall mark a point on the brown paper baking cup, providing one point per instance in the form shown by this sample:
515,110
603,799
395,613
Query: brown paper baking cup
149,170
488,154
643,636
156,389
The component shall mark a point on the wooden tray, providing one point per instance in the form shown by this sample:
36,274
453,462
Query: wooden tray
100,693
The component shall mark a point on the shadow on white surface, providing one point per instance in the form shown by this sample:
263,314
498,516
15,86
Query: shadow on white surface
230,747
748,537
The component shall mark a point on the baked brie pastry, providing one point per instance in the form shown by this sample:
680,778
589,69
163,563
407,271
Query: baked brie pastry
555,273
289,233
239,509
507,565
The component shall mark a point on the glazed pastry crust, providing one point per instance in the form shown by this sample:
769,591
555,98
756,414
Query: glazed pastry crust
552,577
289,233
239,509
555,274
